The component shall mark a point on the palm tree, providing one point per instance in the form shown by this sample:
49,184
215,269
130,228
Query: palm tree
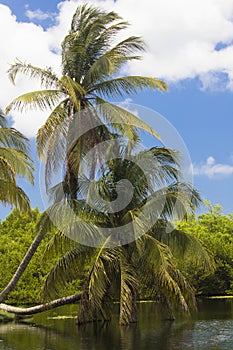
115,273
14,161
91,64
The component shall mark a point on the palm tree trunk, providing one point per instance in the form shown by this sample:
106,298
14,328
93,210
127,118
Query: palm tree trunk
43,226
22,266
40,308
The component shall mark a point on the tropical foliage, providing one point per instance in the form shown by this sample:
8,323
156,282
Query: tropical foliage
215,231
16,234
213,228
80,119
14,161
117,272
91,65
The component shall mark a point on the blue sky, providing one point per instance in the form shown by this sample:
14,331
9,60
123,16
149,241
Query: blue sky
195,59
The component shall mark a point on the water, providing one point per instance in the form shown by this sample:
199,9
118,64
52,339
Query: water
210,329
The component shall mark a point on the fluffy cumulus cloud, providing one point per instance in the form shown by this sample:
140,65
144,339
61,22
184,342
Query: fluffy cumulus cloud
212,169
38,14
184,38
27,42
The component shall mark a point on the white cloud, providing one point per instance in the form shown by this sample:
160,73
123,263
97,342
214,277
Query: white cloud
185,39
29,43
38,14
212,169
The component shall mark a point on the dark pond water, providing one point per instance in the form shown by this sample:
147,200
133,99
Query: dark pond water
211,328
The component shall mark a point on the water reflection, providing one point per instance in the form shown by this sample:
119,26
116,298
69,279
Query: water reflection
210,329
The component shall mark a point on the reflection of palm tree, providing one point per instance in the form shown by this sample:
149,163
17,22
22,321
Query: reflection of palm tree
90,64
129,337
117,272
14,161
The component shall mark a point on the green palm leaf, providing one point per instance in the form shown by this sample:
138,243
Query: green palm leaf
127,85
54,125
128,291
19,162
74,90
42,100
158,259
10,137
14,161
114,114
47,77
14,195
184,245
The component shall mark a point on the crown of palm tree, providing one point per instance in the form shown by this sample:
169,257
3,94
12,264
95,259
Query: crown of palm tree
92,62
148,260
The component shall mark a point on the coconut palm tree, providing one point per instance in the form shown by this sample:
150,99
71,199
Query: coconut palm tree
91,67
14,161
91,64
115,273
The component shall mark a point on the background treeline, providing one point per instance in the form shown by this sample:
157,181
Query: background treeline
214,229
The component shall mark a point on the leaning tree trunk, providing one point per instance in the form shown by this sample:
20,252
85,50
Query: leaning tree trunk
40,308
42,225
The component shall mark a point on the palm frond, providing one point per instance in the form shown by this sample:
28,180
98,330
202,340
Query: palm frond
54,125
3,121
78,225
91,304
19,161
47,77
114,114
14,195
184,245
6,171
127,85
42,100
112,60
159,263
58,245
66,269
128,291
85,15
174,201
73,89
10,137
181,199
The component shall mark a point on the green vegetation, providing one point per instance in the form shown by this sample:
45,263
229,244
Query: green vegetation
91,65
116,270
14,161
215,230
152,262
17,232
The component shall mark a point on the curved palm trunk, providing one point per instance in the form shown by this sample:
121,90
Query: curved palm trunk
43,226
22,266
40,308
